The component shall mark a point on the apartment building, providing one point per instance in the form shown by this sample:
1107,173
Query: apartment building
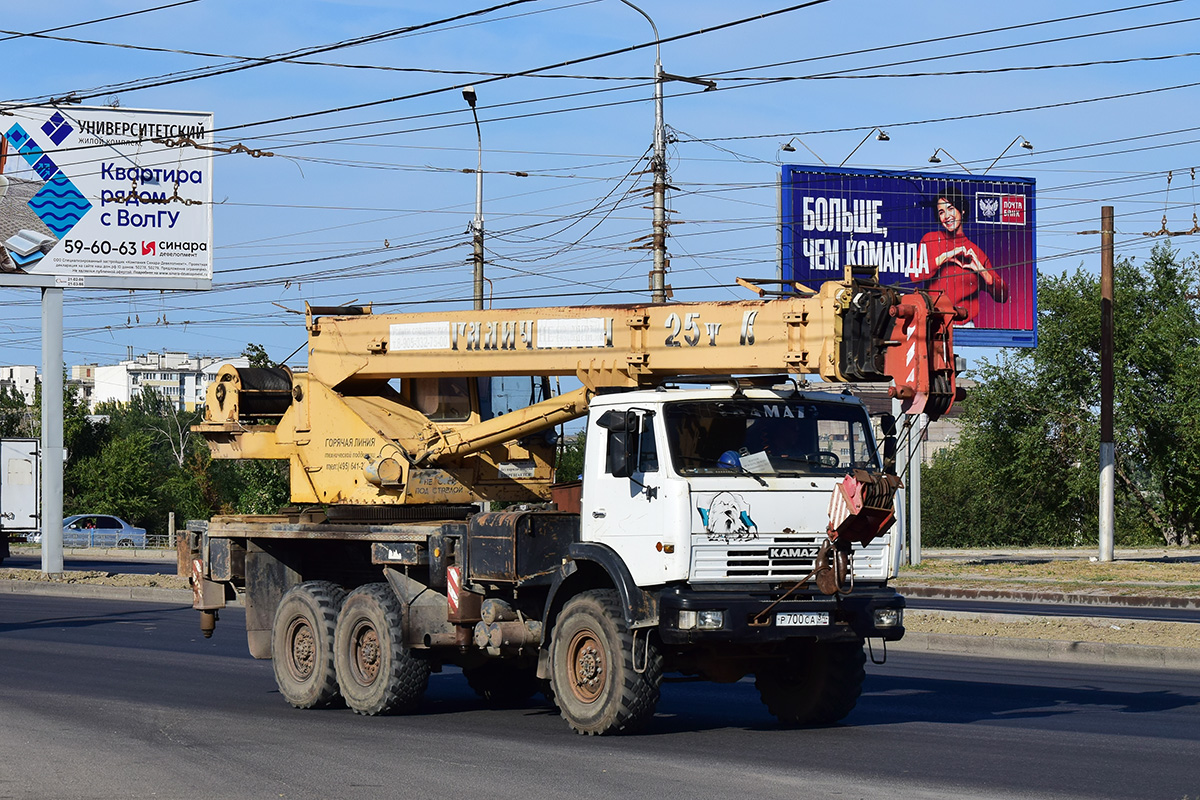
179,377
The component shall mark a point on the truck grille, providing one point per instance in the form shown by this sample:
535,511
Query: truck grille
751,561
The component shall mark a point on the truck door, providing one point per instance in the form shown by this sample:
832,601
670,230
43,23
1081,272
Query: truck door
628,503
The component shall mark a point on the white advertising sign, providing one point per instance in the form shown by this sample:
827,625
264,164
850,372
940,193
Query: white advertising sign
19,484
105,198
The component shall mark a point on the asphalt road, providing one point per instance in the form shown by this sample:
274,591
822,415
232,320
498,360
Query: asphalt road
119,699
32,559
144,565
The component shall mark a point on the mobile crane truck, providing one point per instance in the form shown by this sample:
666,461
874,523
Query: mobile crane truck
729,520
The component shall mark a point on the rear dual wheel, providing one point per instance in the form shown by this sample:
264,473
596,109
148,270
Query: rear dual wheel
376,671
302,637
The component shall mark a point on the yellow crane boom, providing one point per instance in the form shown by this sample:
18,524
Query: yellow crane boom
353,436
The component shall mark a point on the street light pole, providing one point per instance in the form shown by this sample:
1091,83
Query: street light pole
477,223
658,291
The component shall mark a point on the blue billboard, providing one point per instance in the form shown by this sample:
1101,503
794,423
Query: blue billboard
964,236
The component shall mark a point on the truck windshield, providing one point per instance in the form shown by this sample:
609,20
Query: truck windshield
767,437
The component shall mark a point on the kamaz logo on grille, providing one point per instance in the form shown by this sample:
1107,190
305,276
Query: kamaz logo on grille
792,553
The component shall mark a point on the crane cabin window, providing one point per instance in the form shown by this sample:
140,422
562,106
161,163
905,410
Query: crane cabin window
440,399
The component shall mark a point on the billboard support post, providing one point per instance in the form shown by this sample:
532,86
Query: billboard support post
916,457
52,430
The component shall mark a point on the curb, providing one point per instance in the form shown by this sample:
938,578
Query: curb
166,555
1058,598
146,594
1124,655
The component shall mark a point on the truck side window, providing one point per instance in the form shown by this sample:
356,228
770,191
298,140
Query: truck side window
618,441
648,455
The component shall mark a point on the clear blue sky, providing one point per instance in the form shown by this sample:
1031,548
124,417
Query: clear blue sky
312,222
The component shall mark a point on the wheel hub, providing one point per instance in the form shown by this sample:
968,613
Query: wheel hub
303,649
366,654
587,666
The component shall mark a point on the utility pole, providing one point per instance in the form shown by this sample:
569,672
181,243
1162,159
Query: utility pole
658,275
658,238
477,223
658,165
1107,446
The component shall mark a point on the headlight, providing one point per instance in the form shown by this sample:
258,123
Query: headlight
888,617
702,620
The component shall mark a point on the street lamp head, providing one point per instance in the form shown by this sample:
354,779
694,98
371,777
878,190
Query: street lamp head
788,148
883,136
469,96
1026,144
933,159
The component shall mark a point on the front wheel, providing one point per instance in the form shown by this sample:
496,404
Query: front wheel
818,684
593,675
302,644
376,672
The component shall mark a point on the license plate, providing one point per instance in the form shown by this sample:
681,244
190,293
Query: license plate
788,619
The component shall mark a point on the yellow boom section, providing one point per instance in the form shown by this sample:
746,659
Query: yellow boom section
352,436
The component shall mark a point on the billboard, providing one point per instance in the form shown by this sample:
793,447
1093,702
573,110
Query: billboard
970,237
105,198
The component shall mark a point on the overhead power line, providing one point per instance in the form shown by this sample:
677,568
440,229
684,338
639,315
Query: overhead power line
132,85
43,33
944,73
978,115
456,87
308,51
943,39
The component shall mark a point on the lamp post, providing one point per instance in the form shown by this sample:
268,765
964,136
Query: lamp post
658,242
1024,143
882,137
933,159
658,289
788,147
477,223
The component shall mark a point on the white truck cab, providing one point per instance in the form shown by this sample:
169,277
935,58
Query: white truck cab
726,486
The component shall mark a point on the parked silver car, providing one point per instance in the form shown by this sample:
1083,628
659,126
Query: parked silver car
97,530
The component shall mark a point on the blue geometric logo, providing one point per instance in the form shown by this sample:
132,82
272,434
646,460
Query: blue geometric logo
60,205
57,128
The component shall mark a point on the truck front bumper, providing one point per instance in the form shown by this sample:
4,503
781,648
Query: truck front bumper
690,616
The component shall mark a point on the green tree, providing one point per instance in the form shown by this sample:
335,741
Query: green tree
251,486
1025,470
569,463
16,420
118,480
257,355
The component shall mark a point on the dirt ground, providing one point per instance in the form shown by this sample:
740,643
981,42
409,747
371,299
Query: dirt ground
1156,573
1069,629
97,578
